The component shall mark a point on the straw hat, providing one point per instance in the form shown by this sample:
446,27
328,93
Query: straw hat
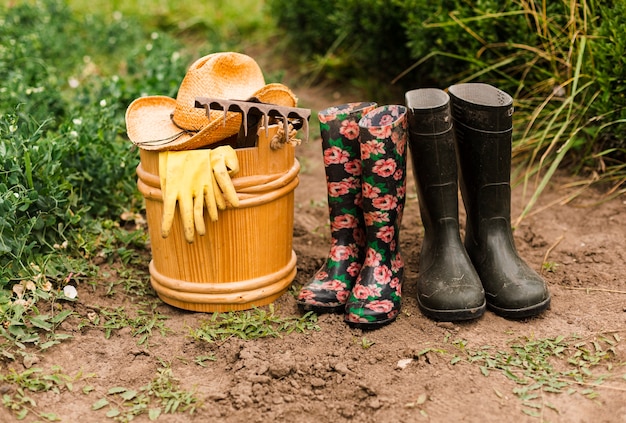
162,123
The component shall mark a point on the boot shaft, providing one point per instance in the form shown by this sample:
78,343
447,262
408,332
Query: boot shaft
433,152
481,107
383,156
483,125
340,133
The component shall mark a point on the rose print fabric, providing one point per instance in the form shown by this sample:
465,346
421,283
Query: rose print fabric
375,298
331,285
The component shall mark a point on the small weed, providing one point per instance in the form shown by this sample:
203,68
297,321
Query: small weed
34,380
556,365
163,395
202,359
294,289
366,343
110,320
132,281
318,204
550,266
24,324
252,324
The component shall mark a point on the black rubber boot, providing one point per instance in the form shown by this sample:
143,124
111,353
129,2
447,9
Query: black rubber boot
448,287
483,124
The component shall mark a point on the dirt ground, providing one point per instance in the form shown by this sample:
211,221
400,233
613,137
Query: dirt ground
404,372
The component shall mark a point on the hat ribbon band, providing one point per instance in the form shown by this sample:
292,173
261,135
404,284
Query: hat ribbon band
172,138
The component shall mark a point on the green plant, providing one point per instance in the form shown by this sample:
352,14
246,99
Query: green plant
23,324
201,359
548,366
366,343
63,155
253,324
162,395
550,266
357,43
66,169
141,325
34,380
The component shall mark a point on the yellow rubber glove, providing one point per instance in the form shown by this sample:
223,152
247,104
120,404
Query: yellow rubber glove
189,178
225,164
185,178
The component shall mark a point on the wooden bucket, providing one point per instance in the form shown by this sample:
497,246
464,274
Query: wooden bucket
245,259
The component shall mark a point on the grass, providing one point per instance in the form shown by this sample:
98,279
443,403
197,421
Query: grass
561,113
250,325
111,320
222,24
162,395
563,118
540,367
36,380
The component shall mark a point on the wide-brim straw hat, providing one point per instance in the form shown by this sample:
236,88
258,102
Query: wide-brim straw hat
161,123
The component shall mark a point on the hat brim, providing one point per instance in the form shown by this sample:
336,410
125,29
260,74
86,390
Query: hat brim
149,124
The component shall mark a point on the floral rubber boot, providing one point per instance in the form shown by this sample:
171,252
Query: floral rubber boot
375,299
330,287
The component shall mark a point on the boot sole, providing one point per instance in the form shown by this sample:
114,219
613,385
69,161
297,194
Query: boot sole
369,325
520,313
453,315
317,309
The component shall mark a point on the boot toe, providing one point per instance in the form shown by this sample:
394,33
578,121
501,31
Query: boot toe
361,316
321,301
521,299
452,303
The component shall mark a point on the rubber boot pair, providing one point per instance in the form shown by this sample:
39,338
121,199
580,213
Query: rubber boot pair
470,130
364,149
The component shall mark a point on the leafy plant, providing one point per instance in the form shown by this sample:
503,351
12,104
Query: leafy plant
162,395
66,169
252,324
366,343
23,324
142,325
35,380
548,366
549,266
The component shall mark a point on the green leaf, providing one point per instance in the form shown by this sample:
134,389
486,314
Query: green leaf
52,417
41,322
128,395
531,412
154,413
113,412
47,345
102,402
59,317
117,390
21,415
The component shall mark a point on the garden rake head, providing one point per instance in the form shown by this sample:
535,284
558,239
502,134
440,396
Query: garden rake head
254,113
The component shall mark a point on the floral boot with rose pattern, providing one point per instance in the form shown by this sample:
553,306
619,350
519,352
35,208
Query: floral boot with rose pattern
330,287
375,299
